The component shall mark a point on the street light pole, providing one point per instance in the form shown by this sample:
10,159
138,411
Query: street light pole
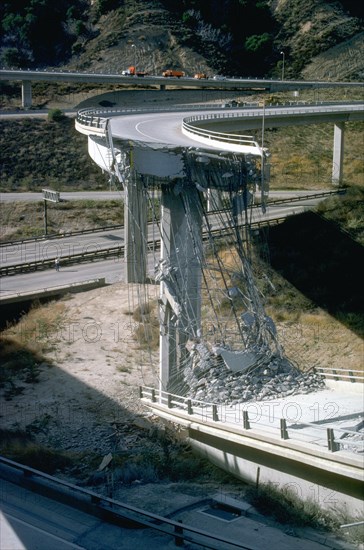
282,53
134,46
262,182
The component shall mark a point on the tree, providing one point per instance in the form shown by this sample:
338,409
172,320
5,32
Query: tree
56,115
258,42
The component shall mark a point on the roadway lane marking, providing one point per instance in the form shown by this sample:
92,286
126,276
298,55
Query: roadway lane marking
146,135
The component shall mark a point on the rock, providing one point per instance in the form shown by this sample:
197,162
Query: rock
273,378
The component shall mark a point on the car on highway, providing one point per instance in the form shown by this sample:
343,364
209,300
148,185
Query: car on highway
218,77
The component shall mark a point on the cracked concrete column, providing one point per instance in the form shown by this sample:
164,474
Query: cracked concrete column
180,297
338,156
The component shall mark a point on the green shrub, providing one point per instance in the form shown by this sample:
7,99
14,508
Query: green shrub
56,115
286,507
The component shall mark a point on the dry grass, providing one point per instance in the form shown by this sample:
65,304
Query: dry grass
302,156
39,330
146,333
37,154
25,344
21,220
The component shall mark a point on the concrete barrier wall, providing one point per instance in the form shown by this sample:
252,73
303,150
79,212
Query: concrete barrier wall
312,472
320,485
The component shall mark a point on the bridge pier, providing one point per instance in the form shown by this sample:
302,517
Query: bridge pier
26,94
338,154
180,279
135,230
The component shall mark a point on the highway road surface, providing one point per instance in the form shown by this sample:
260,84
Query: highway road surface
68,196
31,521
165,128
115,195
48,249
112,270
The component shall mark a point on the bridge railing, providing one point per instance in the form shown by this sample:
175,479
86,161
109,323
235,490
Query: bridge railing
237,417
96,118
343,375
248,107
190,128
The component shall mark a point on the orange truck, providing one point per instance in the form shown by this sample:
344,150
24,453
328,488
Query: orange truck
131,71
200,76
171,72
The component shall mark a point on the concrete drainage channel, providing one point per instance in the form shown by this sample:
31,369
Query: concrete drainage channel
226,508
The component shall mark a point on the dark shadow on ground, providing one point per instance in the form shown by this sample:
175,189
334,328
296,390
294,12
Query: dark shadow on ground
323,263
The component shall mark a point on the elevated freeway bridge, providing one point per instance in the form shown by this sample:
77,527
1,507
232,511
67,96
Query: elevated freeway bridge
26,77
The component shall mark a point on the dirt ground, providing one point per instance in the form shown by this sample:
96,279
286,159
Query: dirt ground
97,368
96,344
88,400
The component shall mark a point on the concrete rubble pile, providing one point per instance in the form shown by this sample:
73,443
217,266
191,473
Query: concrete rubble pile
210,380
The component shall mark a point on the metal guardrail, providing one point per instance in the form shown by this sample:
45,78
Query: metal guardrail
345,375
82,257
115,251
219,413
114,510
53,236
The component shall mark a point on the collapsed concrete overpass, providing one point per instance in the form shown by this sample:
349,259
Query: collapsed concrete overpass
186,154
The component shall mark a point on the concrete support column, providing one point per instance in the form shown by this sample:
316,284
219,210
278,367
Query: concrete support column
26,94
214,199
135,230
168,348
180,298
338,156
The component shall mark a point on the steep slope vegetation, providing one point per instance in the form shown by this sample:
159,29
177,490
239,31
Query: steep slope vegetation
233,37
321,39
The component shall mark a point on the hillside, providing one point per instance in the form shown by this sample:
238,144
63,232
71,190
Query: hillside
233,37
321,39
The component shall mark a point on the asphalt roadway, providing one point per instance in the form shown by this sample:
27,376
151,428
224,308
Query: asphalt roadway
30,521
117,194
